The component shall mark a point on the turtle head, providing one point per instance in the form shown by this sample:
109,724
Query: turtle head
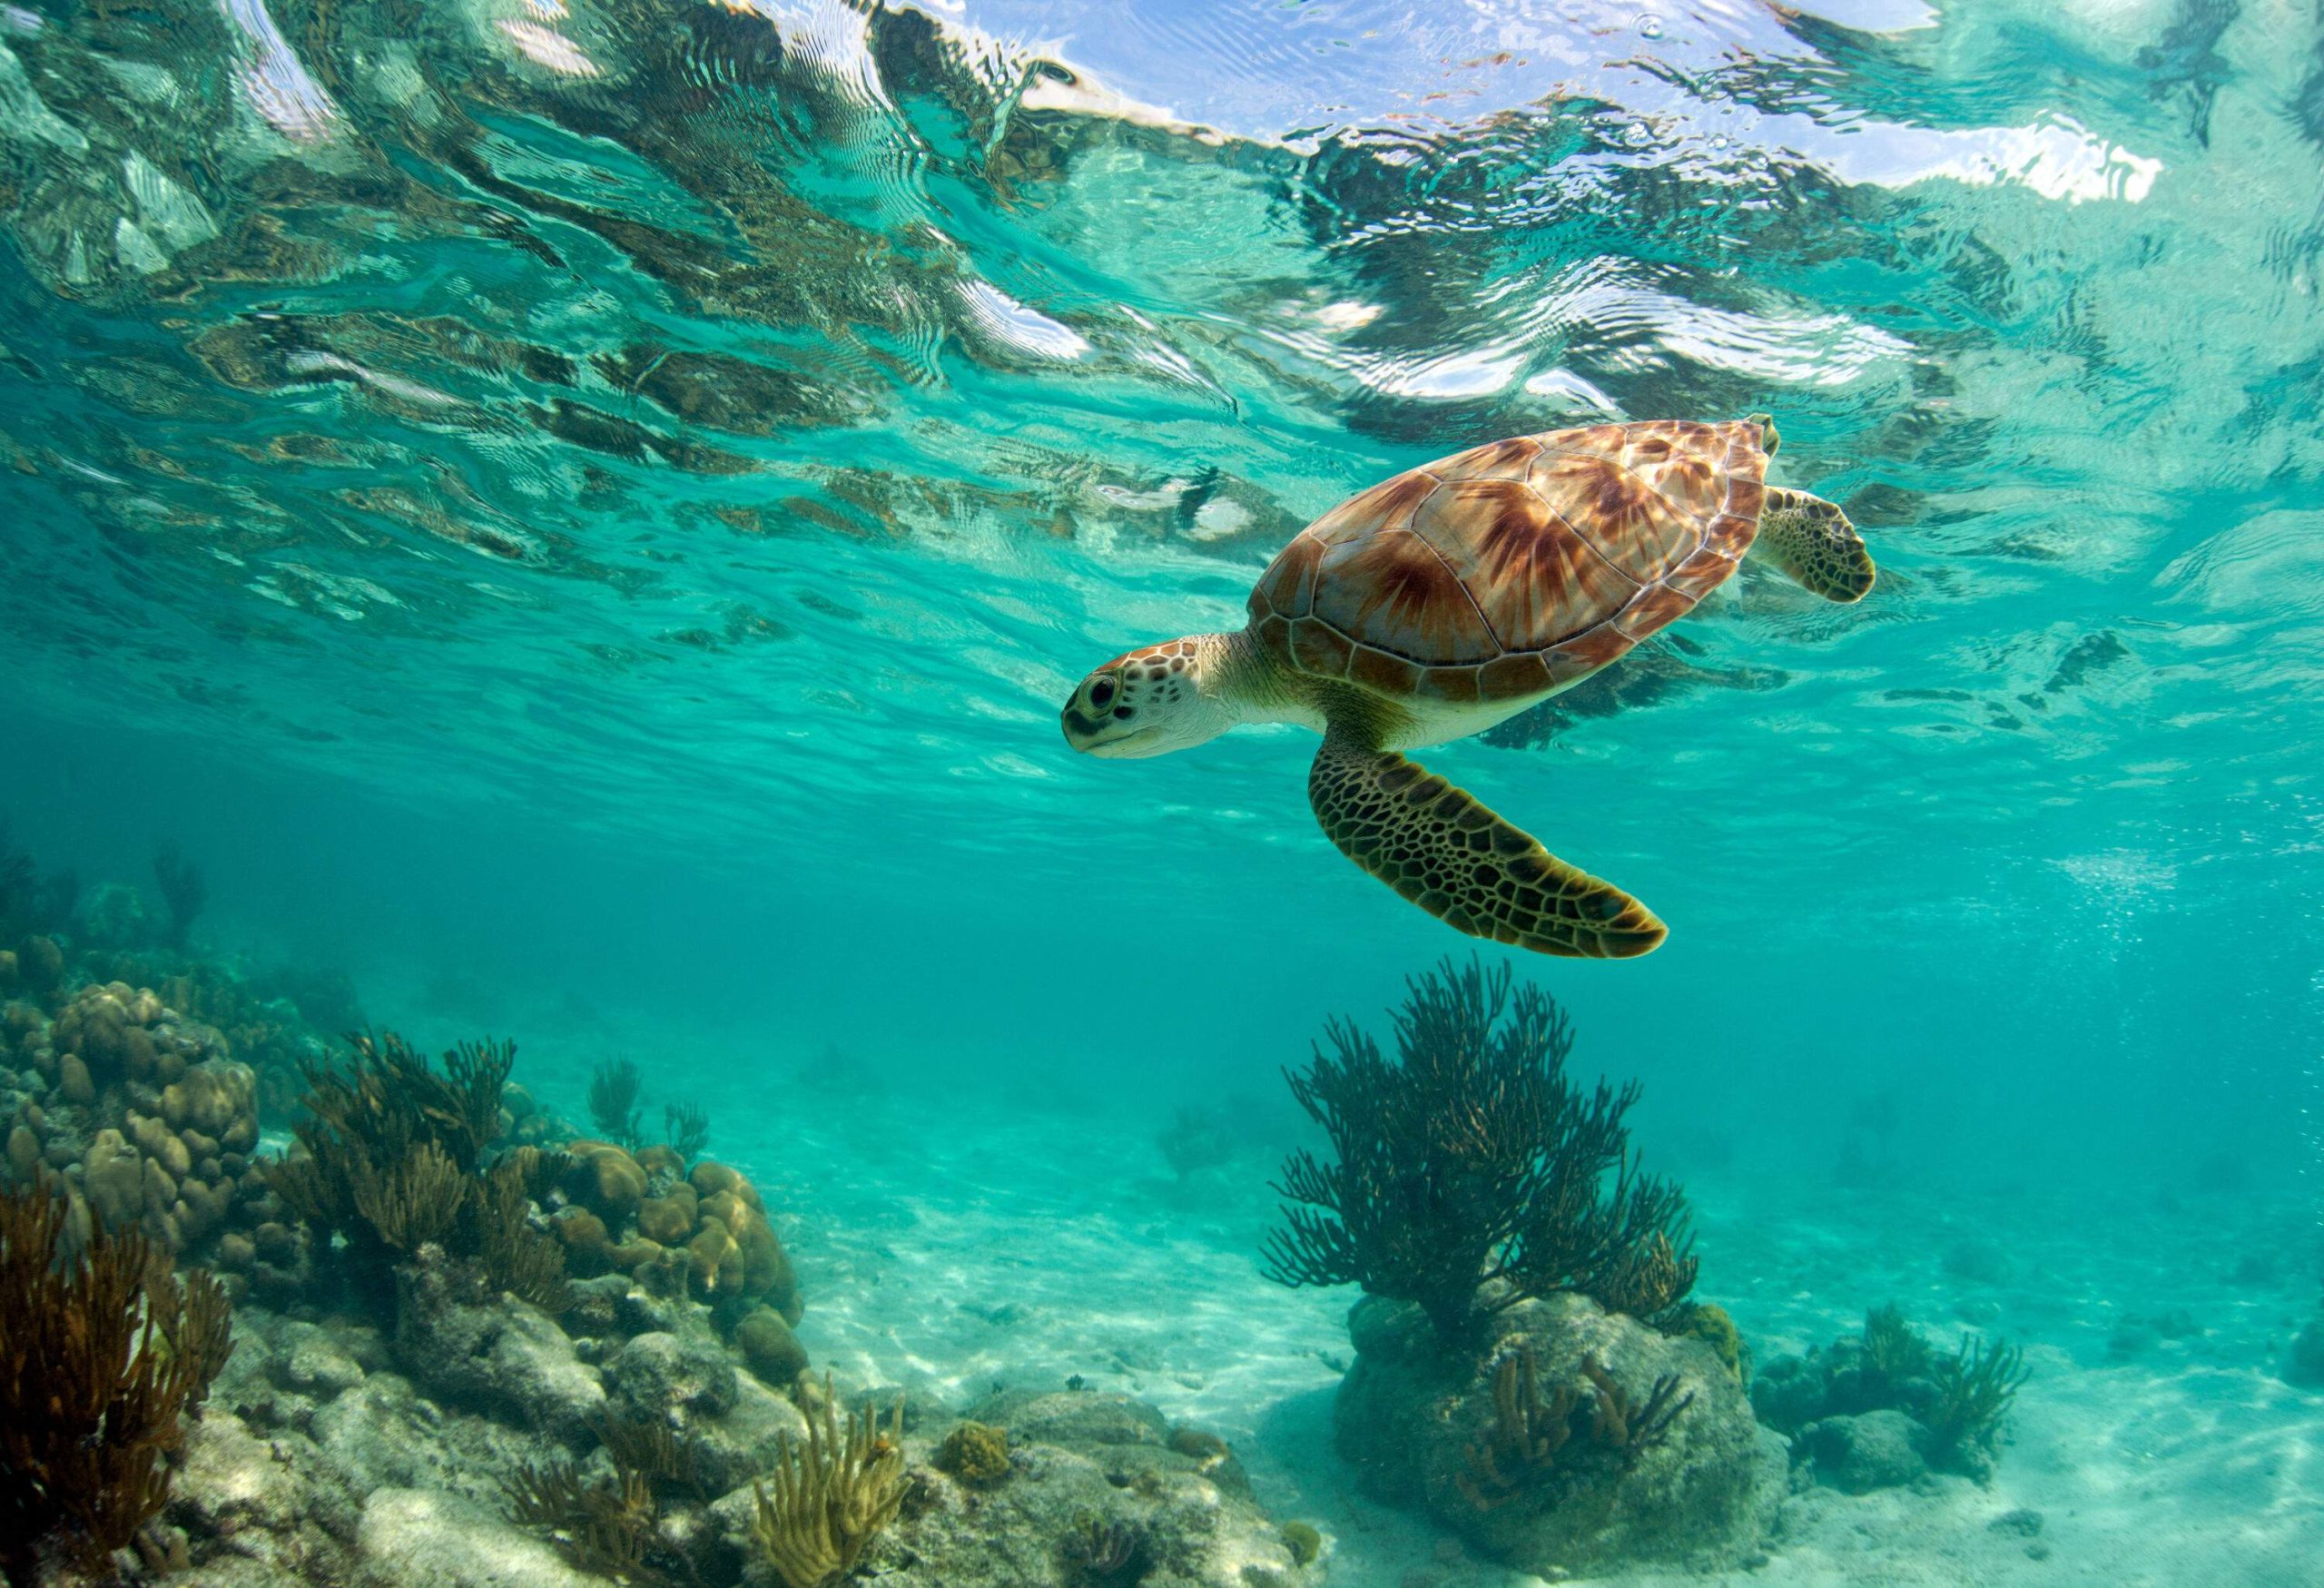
1147,702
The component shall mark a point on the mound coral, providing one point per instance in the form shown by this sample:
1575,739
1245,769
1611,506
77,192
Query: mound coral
1471,1174
160,1123
704,1231
102,1352
975,1452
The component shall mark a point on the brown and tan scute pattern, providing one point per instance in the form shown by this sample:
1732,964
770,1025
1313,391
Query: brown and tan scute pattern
1518,567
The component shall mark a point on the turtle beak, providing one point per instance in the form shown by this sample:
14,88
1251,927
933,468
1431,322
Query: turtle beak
1080,731
1099,735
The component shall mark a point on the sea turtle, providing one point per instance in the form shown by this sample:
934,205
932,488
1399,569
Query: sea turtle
1434,605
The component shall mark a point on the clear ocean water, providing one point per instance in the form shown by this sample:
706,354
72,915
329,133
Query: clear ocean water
582,514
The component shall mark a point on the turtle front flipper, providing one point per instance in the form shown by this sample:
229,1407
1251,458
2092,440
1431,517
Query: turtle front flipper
1446,851
1813,541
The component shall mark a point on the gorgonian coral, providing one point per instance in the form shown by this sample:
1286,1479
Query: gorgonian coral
1469,1173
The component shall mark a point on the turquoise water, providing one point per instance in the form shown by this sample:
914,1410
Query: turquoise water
584,516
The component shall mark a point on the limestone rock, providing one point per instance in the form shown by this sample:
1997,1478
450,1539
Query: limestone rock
417,1535
313,1363
1092,1473
252,1500
744,1442
1410,1414
492,1351
656,1376
1879,1450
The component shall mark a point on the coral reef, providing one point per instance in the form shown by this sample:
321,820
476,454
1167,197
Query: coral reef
702,1231
1471,1174
1877,1409
1572,1439
55,940
391,1160
317,1461
1102,1494
101,1353
142,1115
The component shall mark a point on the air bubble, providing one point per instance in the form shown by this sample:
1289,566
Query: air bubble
1649,26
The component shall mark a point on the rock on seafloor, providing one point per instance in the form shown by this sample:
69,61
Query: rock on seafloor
493,1351
1089,1472
1415,1418
318,1460
1878,1450
425,1535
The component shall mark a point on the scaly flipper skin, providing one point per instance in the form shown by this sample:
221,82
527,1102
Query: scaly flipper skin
1813,541
1443,849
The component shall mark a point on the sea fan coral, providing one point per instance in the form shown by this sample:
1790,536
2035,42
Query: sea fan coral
1974,1388
393,1158
102,1350
182,889
1471,1173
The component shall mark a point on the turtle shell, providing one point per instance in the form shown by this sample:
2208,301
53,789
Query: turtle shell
1517,568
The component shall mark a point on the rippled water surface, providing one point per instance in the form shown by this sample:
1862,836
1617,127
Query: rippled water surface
721,433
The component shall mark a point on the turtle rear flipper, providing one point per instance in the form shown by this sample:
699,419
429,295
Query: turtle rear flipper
1813,541
1443,849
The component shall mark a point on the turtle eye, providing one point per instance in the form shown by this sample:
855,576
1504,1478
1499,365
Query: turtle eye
1101,693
